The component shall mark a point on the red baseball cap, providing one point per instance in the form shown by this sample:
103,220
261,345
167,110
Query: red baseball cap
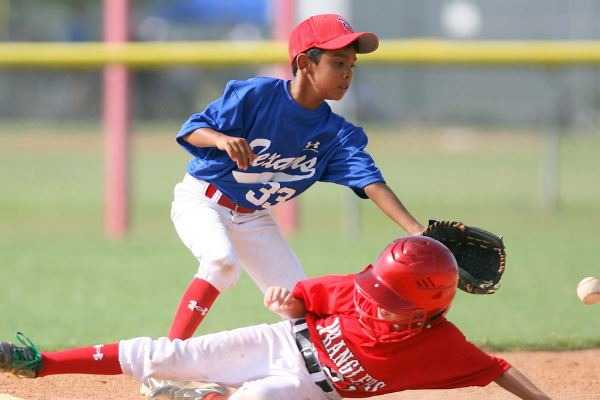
328,32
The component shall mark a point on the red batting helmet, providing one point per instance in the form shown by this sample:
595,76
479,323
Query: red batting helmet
415,278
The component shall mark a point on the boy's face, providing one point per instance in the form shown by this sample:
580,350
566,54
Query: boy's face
400,321
332,75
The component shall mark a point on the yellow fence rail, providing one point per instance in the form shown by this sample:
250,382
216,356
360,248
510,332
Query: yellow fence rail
94,55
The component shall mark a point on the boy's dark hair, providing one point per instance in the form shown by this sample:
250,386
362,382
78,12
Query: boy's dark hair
314,53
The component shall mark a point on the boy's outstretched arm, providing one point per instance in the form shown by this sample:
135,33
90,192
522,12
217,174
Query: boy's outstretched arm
386,199
518,384
280,301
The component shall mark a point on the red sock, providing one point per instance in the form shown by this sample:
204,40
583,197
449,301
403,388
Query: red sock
215,396
193,307
102,359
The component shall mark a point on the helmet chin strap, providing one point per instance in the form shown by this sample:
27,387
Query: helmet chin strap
436,317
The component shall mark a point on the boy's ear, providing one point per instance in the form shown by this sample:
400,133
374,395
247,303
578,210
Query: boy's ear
303,61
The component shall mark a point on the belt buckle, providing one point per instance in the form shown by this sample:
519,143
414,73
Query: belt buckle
307,353
236,208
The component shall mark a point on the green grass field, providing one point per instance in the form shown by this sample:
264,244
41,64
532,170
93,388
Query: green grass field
63,283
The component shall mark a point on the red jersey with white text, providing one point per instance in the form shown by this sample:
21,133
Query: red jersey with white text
437,358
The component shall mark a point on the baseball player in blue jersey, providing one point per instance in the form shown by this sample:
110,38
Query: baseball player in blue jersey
265,141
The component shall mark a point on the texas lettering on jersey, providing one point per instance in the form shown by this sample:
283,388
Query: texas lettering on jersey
349,371
264,159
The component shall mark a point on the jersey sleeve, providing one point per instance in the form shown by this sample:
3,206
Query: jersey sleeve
226,115
460,363
351,165
321,296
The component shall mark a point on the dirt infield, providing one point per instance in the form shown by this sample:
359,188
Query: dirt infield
563,375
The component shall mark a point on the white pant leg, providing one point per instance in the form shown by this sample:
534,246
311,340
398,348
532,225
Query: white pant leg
224,241
204,228
262,358
265,254
281,387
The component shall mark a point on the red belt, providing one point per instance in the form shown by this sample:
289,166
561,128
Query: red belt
225,201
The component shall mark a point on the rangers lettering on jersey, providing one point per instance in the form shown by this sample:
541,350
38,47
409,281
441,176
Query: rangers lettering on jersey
349,369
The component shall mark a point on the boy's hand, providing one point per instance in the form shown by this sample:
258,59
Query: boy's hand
280,301
237,149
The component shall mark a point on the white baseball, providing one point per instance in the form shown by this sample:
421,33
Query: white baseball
588,290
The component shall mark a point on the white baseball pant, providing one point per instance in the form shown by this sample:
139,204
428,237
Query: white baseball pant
263,361
223,240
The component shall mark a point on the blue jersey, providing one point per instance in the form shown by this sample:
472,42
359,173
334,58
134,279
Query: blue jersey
294,146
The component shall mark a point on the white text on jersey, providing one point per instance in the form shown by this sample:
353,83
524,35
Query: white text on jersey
276,163
349,368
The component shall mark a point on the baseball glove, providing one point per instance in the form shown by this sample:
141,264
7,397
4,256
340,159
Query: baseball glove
480,254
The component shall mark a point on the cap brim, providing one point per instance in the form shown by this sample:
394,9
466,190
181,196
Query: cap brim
380,293
367,42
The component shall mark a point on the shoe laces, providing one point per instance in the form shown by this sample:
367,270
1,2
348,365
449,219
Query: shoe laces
26,357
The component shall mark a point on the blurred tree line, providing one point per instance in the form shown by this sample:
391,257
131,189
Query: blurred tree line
411,95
